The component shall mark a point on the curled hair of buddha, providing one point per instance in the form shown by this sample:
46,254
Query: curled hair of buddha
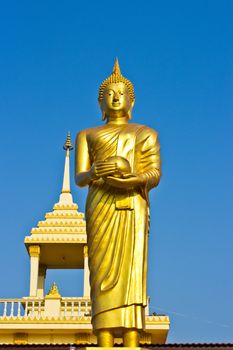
116,77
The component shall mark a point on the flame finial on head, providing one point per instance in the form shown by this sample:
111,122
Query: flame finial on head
116,77
116,68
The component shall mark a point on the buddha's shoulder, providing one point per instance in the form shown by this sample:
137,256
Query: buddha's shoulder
140,129
143,130
89,131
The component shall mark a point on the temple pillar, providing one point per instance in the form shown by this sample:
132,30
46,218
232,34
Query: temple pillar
86,284
41,281
34,251
147,308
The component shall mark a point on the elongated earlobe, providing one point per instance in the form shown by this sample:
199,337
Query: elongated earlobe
130,114
103,115
130,110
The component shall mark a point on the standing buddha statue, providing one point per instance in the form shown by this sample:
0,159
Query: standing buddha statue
120,162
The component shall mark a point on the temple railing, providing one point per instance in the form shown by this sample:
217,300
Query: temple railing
39,308
21,308
75,307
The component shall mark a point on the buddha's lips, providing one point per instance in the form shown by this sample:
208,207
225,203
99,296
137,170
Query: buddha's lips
116,104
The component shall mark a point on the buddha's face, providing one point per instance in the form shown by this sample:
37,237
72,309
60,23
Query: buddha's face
116,101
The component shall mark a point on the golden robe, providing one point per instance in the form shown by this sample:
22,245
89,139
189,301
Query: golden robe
118,223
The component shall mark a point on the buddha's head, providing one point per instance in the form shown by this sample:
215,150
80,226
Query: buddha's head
116,95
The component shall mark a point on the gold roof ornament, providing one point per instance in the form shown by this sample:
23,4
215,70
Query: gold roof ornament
66,178
68,143
116,77
53,292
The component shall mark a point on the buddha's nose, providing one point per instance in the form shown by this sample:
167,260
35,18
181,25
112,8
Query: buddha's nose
116,96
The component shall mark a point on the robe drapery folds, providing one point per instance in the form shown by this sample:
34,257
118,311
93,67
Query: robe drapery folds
118,223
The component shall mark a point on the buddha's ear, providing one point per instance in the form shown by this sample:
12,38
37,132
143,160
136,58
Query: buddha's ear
103,115
130,110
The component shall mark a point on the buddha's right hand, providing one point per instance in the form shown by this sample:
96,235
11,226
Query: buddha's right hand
102,168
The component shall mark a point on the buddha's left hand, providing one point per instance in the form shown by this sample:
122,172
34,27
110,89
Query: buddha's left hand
127,181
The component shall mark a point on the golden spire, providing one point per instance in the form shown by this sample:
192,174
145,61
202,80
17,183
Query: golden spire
116,77
66,196
68,143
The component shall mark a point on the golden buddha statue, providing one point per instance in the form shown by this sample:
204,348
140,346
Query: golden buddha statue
120,162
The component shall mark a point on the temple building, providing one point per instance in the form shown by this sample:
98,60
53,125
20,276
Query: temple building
60,242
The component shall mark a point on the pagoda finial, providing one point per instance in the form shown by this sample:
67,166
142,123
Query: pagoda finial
68,143
66,197
53,292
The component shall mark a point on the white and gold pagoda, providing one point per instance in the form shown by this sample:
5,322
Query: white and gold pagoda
60,242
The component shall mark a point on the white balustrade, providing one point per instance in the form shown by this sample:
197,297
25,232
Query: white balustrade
39,310
75,307
72,309
19,305
35,308
65,309
79,308
12,309
26,309
20,308
5,309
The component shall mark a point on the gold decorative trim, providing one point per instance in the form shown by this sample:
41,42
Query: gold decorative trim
83,338
66,206
76,223
46,320
55,239
34,250
70,320
145,338
85,251
55,214
20,339
58,230
157,319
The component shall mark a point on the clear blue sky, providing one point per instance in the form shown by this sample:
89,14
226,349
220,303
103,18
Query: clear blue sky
179,55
